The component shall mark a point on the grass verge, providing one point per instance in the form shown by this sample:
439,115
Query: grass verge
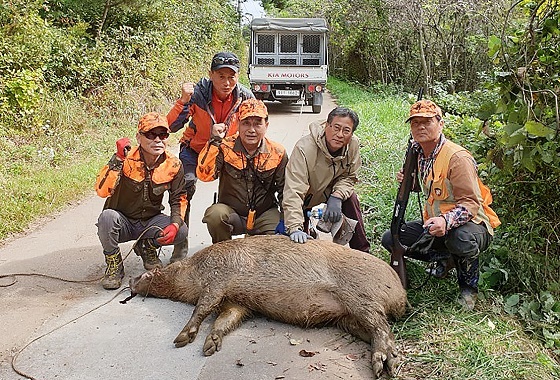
438,339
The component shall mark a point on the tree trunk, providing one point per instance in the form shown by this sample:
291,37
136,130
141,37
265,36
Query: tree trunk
425,69
104,18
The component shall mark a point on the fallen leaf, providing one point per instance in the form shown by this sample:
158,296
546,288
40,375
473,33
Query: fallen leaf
491,325
239,363
317,366
353,357
295,342
306,354
271,363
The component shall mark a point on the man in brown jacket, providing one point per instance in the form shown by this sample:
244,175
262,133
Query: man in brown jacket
250,168
134,182
323,168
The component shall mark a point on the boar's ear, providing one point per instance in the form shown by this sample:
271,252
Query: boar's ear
156,271
147,276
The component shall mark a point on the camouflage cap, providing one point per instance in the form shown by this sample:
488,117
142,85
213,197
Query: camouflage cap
424,108
252,107
152,120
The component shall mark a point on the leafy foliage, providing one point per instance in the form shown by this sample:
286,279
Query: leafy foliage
410,43
75,76
527,146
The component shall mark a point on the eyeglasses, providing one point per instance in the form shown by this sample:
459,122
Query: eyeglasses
337,129
225,61
151,135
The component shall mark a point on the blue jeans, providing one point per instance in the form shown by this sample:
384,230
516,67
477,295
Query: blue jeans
189,158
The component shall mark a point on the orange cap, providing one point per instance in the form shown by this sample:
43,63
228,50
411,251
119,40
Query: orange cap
152,120
252,107
424,108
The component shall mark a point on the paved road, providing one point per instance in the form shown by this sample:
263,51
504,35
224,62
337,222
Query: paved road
85,333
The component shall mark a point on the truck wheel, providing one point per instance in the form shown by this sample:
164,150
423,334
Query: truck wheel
316,108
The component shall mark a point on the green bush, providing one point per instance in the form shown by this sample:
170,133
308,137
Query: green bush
67,93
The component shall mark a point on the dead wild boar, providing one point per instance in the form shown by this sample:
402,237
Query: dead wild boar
313,284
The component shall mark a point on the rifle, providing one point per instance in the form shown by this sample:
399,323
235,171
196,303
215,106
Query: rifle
408,184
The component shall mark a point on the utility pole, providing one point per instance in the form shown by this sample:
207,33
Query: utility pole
239,16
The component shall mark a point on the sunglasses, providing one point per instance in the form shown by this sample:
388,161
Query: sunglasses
225,61
151,135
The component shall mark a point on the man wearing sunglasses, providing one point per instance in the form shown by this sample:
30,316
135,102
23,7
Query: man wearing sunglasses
323,168
210,104
134,182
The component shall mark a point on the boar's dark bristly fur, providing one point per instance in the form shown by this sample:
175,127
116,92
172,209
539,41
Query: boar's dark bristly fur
313,284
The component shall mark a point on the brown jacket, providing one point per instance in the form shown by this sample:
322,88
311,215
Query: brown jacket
137,192
313,173
256,182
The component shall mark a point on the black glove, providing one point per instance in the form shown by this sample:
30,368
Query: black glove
333,212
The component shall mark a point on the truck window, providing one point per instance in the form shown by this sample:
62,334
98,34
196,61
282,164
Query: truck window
265,43
288,43
311,43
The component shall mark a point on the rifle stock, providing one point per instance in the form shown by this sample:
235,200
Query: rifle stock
410,168
398,250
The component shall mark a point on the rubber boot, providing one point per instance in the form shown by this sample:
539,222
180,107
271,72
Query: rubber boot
180,251
146,249
114,272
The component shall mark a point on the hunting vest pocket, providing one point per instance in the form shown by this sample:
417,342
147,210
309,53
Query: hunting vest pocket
160,189
233,172
440,189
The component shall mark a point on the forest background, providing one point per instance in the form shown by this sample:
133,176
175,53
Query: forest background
76,75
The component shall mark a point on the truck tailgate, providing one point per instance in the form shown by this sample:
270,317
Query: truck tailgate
287,74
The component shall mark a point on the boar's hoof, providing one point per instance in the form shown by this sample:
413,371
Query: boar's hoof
377,360
212,344
186,336
392,364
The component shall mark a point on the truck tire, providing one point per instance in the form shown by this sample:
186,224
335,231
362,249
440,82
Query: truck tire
316,108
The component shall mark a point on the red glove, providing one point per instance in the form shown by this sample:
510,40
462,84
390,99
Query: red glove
168,234
123,146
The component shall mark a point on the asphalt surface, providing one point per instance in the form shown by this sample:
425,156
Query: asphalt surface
60,330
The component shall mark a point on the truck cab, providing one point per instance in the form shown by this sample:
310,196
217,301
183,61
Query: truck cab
288,60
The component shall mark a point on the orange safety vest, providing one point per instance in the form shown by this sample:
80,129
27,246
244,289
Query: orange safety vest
440,198
134,168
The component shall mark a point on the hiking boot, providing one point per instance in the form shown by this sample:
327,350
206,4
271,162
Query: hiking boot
114,272
467,298
180,251
442,268
146,249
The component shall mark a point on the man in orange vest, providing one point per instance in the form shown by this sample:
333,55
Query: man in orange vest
134,183
458,222
250,168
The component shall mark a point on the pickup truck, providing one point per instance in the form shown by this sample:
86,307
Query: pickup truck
288,60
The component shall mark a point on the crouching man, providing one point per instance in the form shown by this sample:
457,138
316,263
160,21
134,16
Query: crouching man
250,169
134,182
323,168
458,223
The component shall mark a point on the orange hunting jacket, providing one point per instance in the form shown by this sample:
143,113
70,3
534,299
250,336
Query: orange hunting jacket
199,114
137,192
256,182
